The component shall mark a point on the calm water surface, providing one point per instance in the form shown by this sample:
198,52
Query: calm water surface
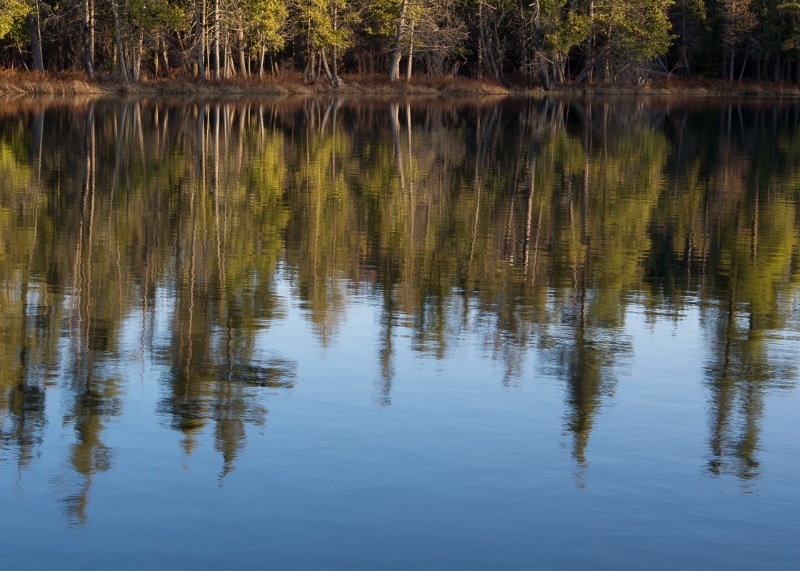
321,334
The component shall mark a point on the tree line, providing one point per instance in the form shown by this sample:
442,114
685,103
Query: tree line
538,42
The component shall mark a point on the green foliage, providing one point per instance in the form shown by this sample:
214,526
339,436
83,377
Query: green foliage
637,30
382,16
267,19
12,14
323,24
566,32
154,15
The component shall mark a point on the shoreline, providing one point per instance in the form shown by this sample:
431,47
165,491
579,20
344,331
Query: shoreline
28,84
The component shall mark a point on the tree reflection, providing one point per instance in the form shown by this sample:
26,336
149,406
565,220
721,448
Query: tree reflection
533,224
223,292
93,316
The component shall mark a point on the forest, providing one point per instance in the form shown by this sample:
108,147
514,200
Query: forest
538,43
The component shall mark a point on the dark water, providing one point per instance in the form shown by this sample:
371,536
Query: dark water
318,334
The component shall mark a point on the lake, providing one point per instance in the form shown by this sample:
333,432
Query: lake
323,333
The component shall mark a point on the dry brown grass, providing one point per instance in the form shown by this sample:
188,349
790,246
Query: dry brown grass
380,85
282,84
21,83
692,87
17,83
722,87
13,82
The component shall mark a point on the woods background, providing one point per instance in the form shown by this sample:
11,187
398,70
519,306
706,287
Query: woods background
538,42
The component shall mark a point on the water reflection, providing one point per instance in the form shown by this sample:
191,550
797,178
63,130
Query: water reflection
538,224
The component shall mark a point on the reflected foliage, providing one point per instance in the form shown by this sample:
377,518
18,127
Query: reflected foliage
160,232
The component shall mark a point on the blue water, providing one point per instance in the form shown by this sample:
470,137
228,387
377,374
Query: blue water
462,444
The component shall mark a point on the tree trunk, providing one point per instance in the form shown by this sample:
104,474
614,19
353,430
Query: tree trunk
480,42
240,38
410,53
187,66
335,70
325,68
499,53
744,60
522,38
91,36
589,59
538,44
87,21
123,64
226,58
334,55
216,41
394,68
261,63
488,43
685,50
308,72
198,26
208,41
164,55
137,57
36,40
134,75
